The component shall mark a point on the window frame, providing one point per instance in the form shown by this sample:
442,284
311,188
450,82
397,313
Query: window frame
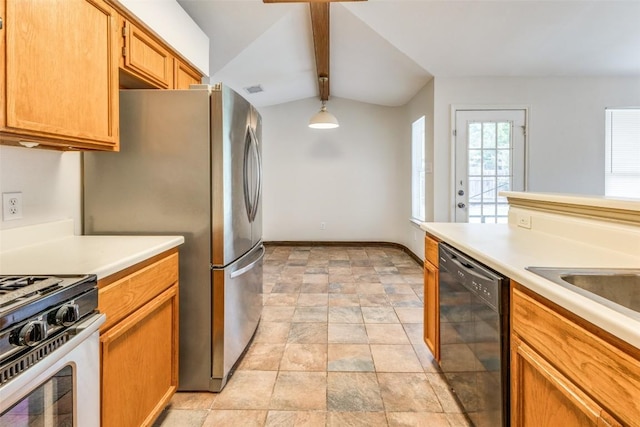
619,180
418,169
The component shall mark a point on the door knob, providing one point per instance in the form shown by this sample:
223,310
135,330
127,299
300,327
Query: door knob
461,205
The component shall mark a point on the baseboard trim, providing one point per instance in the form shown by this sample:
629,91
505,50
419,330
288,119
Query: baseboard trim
406,250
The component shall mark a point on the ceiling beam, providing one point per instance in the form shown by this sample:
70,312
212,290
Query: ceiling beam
320,27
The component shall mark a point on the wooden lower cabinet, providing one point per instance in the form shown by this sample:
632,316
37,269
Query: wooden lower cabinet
431,298
139,352
567,372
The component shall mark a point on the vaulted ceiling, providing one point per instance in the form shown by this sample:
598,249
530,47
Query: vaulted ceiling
384,51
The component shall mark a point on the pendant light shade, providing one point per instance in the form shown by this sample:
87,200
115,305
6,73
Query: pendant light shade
323,119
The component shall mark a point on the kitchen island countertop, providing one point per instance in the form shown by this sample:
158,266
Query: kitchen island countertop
509,249
52,248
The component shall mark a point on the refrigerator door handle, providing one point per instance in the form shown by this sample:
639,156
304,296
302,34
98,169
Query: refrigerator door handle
258,192
246,268
253,169
248,203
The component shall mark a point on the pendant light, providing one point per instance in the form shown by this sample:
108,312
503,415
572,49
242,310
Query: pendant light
323,119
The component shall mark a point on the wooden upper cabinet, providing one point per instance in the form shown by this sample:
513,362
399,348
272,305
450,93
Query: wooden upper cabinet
184,75
145,57
59,74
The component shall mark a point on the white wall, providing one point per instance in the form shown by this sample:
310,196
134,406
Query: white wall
50,182
354,178
566,130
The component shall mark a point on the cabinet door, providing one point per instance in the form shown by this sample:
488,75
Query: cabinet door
184,75
61,73
542,396
146,58
431,309
140,363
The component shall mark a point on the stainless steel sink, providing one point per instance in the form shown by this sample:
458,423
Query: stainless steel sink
618,289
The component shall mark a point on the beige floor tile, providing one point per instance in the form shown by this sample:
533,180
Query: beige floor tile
343,286
304,357
345,279
308,333
426,358
247,390
379,315
282,299
262,357
313,299
410,314
395,358
310,314
244,418
370,288
345,315
192,400
441,388
415,332
389,279
300,391
415,278
374,300
343,300
181,418
314,288
287,288
458,420
405,300
350,358
272,332
386,270
386,333
356,419
343,270
315,278
277,314
398,289
353,391
296,419
407,392
347,333
417,419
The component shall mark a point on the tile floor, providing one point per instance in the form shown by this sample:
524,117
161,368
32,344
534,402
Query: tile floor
339,344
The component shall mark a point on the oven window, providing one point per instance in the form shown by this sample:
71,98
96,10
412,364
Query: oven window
49,405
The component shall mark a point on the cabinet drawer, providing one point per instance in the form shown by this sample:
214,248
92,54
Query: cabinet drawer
607,373
120,298
431,250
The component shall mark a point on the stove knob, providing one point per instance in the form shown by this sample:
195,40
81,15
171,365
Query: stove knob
32,333
67,315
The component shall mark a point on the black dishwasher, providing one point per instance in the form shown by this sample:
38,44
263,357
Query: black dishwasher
474,336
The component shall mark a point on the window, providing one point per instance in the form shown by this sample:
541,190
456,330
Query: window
622,152
418,161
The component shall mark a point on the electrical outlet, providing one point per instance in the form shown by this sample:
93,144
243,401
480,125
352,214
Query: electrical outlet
524,221
323,226
11,206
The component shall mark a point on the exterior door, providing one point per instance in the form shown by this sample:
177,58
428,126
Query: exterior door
489,158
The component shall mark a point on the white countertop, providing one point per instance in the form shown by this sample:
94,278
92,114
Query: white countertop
509,249
61,252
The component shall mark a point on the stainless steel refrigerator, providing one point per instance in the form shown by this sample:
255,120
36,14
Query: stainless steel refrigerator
190,164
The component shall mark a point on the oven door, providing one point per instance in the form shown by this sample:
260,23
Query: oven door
48,393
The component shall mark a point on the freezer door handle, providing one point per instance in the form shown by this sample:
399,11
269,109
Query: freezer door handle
252,174
241,271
